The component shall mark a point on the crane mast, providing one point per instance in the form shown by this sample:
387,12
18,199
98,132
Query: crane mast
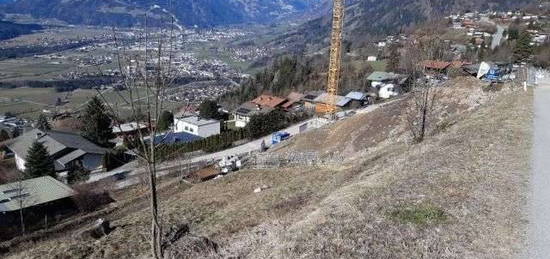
335,62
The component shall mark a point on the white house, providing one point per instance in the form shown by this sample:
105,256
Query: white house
197,126
246,111
387,84
388,91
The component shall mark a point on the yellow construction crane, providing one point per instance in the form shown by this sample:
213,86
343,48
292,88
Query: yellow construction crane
335,65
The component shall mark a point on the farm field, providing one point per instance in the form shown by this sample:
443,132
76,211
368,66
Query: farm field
30,102
33,69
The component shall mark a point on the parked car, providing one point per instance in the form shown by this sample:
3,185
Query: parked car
279,137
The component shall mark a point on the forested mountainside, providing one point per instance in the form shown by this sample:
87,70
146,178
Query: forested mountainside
189,12
10,30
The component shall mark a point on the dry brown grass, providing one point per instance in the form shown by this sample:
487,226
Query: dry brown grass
475,171
388,124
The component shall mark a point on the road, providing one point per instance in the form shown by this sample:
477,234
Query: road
497,37
539,223
132,170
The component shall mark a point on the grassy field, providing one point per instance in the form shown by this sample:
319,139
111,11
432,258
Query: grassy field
29,102
459,194
33,69
45,96
379,65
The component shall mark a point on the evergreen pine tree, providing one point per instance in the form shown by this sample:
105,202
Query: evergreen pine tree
97,123
42,123
523,49
394,58
39,163
209,109
166,120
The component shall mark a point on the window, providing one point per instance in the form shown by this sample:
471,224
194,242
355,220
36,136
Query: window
13,191
20,196
191,129
186,128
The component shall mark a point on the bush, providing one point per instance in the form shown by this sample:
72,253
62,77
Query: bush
261,125
419,215
89,199
78,175
210,144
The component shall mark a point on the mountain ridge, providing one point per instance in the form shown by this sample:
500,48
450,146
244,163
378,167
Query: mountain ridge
203,13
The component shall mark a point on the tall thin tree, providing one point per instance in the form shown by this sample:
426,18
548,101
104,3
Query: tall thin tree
146,74
42,123
39,162
97,123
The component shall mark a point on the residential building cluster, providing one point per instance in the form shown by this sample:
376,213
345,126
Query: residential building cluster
193,94
478,24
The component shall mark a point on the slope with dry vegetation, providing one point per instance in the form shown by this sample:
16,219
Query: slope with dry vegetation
458,194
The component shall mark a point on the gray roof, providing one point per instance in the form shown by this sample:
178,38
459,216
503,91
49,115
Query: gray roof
250,109
340,100
310,96
128,127
32,192
198,121
358,96
383,76
55,141
343,102
70,157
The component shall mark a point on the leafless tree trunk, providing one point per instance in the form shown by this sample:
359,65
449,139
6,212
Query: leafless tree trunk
420,115
20,194
424,94
146,90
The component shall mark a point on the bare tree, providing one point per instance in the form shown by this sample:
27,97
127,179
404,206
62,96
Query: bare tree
146,72
420,114
20,194
21,203
424,93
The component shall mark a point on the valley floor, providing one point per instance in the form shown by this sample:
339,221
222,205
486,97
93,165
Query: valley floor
459,194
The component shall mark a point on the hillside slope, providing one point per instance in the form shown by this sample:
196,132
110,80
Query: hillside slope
459,194
366,18
10,30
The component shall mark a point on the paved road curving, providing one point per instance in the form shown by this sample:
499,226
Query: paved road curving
539,228
132,170
497,37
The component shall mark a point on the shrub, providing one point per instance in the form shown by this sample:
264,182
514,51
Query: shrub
88,198
419,215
